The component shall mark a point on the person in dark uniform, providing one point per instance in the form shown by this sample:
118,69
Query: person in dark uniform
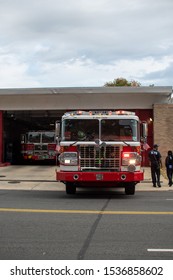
169,167
155,163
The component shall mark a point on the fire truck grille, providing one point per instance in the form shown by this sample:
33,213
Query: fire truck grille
103,158
40,150
41,147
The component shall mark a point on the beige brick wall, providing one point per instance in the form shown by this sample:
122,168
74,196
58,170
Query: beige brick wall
163,128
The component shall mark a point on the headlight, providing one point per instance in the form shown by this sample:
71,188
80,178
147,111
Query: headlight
132,161
68,158
130,158
29,152
51,153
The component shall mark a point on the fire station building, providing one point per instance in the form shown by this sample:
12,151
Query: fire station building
22,110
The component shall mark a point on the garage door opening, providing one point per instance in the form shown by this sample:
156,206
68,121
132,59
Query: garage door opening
20,123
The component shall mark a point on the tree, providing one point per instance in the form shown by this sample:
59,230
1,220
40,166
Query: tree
122,82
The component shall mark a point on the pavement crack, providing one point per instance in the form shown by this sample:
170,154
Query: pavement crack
35,186
88,239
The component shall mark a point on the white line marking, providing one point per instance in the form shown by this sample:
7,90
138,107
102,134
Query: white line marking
160,250
169,199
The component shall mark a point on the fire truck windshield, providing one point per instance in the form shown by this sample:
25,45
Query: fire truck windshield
34,137
48,137
80,129
119,130
103,129
41,137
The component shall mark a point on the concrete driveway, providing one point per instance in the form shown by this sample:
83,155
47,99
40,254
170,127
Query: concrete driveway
43,177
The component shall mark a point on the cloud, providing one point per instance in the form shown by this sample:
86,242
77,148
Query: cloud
13,73
74,43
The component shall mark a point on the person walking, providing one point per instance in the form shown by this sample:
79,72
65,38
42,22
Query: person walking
155,164
169,167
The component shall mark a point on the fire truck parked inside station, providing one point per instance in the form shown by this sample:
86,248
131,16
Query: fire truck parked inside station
38,145
29,136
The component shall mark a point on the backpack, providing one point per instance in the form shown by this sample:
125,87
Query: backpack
169,162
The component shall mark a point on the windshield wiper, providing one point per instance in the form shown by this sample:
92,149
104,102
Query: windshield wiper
74,143
126,143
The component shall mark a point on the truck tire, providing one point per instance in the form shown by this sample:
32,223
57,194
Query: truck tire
130,190
70,188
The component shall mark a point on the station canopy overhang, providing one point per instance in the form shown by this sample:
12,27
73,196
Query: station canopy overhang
69,98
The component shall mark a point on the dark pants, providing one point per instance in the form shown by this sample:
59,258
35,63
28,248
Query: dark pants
155,175
169,172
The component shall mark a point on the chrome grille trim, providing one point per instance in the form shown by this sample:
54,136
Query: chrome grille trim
40,147
92,157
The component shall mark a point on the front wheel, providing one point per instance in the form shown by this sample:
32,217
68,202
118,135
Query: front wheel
70,188
130,190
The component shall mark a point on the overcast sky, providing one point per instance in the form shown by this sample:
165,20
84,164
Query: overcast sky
63,43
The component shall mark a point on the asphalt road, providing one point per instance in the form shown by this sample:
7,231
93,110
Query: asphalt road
89,225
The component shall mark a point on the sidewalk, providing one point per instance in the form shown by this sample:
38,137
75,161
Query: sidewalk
36,177
147,185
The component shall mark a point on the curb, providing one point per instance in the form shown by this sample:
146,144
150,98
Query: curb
3,164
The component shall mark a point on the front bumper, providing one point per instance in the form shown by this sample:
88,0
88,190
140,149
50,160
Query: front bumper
99,177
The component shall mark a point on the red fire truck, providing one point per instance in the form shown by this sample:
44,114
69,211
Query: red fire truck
100,149
38,145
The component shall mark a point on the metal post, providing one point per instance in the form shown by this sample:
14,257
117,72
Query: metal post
1,136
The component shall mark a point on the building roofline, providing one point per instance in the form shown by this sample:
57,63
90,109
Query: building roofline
155,90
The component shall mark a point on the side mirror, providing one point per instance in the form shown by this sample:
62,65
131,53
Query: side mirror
57,129
22,139
144,131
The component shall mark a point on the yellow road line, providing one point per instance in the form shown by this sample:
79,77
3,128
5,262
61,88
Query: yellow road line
85,212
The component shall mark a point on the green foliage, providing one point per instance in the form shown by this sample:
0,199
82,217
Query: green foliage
122,82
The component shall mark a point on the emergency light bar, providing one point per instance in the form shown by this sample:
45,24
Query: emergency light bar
100,113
